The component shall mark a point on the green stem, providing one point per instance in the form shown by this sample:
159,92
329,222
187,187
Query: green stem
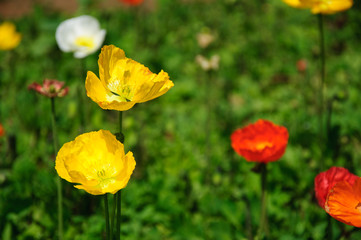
119,196
59,184
113,215
108,236
120,121
321,89
329,232
263,227
119,212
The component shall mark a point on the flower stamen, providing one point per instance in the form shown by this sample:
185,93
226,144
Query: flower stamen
85,42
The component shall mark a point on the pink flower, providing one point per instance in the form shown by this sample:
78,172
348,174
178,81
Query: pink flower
50,88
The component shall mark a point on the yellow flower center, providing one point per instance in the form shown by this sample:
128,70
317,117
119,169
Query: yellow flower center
124,92
263,145
103,179
101,173
85,42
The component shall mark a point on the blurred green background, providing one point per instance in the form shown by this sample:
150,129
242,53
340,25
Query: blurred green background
188,184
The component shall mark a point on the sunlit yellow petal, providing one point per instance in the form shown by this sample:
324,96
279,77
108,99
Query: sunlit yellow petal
94,88
108,58
63,153
161,85
330,7
129,165
124,81
96,161
295,3
321,6
9,38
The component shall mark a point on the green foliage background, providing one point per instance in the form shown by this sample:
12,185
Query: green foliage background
188,182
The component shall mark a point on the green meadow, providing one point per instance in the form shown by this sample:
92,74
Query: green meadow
188,183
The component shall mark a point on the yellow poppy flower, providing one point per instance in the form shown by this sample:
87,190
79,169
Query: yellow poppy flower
96,161
123,82
295,3
321,6
9,38
328,6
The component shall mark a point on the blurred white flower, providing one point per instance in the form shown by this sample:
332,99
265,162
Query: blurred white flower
81,35
206,65
204,39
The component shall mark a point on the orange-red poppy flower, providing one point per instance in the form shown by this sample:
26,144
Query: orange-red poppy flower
2,131
325,181
344,203
262,141
132,2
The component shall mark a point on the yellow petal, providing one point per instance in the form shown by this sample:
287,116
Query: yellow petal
63,153
129,165
295,3
330,7
157,87
96,161
9,38
124,82
94,88
108,58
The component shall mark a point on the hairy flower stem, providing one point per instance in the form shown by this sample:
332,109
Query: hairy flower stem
263,227
321,90
108,234
112,222
59,184
119,197
119,212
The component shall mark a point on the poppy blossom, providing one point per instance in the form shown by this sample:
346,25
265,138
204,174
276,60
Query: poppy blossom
9,38
344,202
81,35
321,6
262,141
124,82
97,162
2,131
132,2
325,181
50,88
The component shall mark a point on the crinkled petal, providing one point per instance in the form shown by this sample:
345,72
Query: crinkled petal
159,86
108,58
343,203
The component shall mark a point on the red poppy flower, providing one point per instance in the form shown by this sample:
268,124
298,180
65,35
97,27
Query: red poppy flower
132,2
325,181
50,88
344,202
262,141
2,131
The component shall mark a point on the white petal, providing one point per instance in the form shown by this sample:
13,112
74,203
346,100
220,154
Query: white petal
98,40
80,54
83,26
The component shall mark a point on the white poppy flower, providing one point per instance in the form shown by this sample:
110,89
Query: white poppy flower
81,35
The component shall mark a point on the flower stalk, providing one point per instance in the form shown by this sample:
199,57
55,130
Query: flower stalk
321,88
119,193
107,217
263,227
59,184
